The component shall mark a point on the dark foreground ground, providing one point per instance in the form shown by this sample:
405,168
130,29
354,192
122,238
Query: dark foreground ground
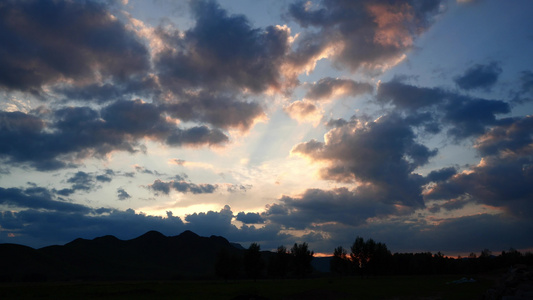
394,287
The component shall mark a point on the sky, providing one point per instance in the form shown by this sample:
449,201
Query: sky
276,122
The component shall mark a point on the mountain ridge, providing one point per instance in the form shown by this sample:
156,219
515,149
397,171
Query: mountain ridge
148,256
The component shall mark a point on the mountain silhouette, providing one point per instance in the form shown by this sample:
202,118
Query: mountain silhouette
149,256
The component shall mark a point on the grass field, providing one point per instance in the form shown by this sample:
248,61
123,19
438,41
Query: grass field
394,287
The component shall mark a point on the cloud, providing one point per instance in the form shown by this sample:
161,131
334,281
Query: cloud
182,187
46,43
464,116
221,52
382,154
223,110
144,170
504,177
250,218
122,194
340,206
359,34
81,181
408,97
303,111
479,77
328,87
441,174
37,198
79,132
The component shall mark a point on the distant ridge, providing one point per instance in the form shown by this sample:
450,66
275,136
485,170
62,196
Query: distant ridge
149,256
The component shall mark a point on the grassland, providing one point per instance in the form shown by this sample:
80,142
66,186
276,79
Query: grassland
394,287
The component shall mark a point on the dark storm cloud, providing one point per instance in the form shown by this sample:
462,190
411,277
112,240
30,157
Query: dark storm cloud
463,116
367,34
342,206
382,154
250,218
408,97
223,110
79,132
513,139
470,116
327,87
213,67
37,198
453,204
122,194
107,92
211,219
479,77
182,187
221,51
504,177
441,174
197,136
44,42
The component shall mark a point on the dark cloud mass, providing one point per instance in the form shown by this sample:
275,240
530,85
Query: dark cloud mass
370,34
504,177
250,218
382,154
328,87
464,116
83,131
222,51
38,198
222,110
479,77
182,187
44,42
341,206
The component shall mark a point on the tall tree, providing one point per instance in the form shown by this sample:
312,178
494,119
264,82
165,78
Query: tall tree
301,260
253,263
340,262
279,264
370,257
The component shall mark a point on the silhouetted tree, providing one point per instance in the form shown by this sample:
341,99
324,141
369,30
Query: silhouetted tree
485,253
279,264
370,257
301,260
379,259
340,262
227,266
253,263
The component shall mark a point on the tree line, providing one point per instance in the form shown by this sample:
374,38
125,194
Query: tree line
371,258
366,258
284,263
